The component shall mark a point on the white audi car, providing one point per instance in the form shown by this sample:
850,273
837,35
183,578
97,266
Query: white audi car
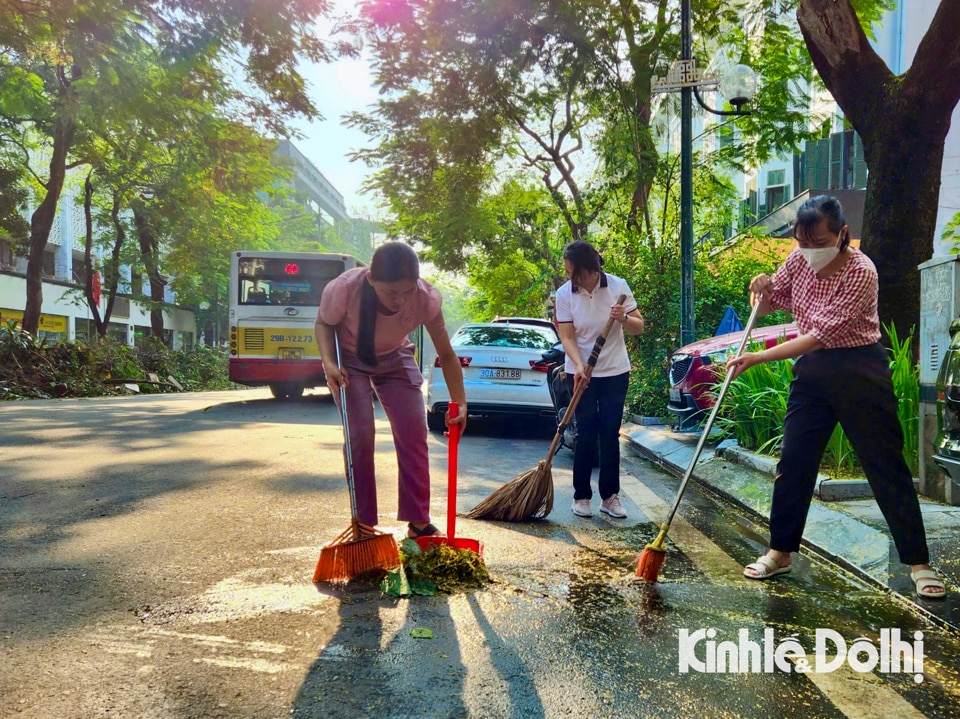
498,360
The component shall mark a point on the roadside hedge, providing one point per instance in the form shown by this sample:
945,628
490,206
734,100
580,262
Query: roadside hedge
35,369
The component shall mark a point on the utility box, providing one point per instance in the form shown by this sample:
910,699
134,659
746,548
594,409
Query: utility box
939,307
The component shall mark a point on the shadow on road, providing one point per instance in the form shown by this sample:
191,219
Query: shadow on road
372,667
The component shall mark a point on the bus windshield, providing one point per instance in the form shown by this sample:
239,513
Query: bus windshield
282,281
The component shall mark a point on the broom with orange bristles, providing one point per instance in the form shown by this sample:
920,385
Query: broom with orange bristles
359,548
653,556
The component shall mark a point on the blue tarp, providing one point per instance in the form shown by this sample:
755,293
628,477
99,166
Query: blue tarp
730,322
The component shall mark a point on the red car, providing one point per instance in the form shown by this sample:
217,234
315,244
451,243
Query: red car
695,367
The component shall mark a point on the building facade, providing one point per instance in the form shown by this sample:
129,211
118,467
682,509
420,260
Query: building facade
65,315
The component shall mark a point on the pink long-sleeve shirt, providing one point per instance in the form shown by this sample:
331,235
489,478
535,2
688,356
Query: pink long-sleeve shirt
340,307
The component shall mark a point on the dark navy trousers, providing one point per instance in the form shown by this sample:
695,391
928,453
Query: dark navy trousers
851,386
599,416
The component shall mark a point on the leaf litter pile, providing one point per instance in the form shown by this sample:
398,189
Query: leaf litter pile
440,569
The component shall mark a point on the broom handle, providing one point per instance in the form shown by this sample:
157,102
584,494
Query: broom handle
453,430
346,434
575,400
713,415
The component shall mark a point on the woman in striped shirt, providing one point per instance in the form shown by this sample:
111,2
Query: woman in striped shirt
841,375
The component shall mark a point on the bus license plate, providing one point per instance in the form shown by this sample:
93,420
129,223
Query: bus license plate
675,395
499,374
288,353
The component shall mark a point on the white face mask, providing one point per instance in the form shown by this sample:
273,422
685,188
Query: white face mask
820,257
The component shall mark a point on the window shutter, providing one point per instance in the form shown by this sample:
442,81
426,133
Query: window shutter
823,165
859,164
810,155
836,161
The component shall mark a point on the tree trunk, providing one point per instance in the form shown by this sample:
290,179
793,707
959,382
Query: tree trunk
92,301
900,213
903,122
42,220
151,263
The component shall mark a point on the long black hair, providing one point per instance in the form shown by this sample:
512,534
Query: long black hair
822,207
392,262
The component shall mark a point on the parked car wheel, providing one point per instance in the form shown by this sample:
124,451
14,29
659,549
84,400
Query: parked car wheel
435,420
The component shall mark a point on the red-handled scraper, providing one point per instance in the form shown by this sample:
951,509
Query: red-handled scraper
473,545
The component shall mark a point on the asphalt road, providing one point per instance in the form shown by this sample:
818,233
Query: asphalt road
156,553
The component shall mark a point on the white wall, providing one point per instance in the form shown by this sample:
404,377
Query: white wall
58,301
897,41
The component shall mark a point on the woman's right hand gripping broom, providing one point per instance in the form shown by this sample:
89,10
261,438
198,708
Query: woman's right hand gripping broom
336,378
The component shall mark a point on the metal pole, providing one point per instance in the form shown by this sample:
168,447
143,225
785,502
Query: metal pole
687,326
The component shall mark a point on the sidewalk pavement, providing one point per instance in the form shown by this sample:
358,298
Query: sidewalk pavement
844,525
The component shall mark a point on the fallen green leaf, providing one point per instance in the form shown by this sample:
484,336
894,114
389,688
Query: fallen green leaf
421,633
409,547
423,587
395,584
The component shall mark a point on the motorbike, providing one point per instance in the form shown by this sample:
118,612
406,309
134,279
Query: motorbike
561,391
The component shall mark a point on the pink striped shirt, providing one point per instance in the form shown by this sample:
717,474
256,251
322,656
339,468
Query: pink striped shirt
840,310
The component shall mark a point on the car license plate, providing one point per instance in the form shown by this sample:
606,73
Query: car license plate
675,395
289,353
499,374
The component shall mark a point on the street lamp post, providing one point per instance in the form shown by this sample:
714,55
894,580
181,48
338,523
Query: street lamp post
687,326
739,88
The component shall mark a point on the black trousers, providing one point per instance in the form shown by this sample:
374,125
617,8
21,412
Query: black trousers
853,387
599,415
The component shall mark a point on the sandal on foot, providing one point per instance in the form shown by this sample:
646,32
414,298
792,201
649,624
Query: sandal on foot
429,531
928,584
765,568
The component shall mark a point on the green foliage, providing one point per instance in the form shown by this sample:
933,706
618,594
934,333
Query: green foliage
756,404
153,110
951,233
32,369
906,386
13,200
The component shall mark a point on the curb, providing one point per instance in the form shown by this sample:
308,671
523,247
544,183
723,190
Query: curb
827,488
831,533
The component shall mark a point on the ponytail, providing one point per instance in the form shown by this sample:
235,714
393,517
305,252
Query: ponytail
366,332
391,262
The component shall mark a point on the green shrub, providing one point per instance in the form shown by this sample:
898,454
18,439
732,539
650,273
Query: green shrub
906,385
32,369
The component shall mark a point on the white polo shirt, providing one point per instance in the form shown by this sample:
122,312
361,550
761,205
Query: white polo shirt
589,314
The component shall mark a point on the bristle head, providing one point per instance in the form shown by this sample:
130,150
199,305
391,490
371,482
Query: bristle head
650,563
341,562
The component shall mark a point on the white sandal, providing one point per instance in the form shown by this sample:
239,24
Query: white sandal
925,580
765,568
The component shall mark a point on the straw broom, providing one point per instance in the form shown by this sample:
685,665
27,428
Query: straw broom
359,548
651,559
530,495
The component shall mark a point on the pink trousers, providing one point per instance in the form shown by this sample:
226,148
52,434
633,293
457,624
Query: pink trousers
397,381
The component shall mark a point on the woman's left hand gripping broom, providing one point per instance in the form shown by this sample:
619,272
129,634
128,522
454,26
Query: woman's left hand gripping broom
653,556
359,548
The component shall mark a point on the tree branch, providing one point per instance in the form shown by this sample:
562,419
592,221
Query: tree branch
856,76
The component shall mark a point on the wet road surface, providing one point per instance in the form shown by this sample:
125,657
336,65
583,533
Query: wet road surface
155,557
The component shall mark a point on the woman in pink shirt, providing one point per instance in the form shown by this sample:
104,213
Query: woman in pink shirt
372,312
842,374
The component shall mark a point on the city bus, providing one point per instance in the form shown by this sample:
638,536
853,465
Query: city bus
274,298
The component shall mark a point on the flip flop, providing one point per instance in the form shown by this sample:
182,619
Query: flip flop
428,531
926,580
765,568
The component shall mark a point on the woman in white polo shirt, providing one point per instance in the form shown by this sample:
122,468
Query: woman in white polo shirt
584,305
